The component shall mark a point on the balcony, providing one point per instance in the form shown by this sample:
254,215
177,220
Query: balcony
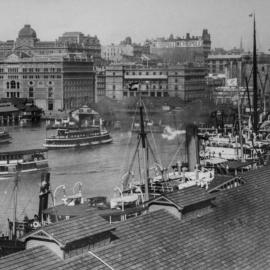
146,77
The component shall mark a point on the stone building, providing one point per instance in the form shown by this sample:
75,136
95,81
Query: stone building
126,49
54,82
184,81
182,49
70,42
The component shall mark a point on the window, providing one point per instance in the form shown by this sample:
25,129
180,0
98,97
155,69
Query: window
113,87
7,85
147,72
176,80
30,70
18,94
50,92
18,85
13,85
7,94
113,73
160,73
31,92
50,105
154,73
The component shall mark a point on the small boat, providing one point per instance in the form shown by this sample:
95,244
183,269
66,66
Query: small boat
25,161
4,137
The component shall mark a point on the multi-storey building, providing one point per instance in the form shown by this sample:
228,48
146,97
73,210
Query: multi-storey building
100,84
126,49
71,42
184,81
179,50
238,66
53,82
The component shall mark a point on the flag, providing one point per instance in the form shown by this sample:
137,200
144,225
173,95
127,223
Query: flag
133,86
231,82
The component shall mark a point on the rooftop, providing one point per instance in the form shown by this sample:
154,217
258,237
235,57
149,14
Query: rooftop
236,235
67,231
186,197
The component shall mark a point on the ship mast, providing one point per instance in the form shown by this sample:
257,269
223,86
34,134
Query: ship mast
146,150
255,86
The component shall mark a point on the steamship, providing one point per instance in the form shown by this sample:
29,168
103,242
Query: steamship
88,131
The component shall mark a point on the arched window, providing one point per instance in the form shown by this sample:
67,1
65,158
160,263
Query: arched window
13,85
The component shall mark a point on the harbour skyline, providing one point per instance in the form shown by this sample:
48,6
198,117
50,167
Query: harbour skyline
112,21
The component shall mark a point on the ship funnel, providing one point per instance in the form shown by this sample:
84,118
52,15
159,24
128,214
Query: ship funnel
192,146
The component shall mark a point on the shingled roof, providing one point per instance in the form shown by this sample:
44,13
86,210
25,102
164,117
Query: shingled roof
67,231
185,197
34,258
236,235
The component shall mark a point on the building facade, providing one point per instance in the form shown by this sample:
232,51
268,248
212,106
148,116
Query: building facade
53,82
179,50
70,42
184,81
126,49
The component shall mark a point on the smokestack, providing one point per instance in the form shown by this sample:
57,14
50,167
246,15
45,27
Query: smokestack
44,194
192,144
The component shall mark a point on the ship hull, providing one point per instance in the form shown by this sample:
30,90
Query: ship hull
71,143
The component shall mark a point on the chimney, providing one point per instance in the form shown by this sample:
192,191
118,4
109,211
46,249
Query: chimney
192,144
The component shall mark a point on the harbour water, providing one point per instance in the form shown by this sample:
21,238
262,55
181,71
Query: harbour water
99,168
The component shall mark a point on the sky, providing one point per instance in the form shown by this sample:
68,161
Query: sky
113,20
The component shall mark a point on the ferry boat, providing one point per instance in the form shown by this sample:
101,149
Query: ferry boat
87,131
24,161
74,138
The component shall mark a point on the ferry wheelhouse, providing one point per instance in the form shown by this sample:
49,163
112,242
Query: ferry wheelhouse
24,161
72,138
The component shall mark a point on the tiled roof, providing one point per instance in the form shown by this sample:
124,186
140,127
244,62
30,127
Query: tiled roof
34,258
75,228
187,196
219,180
236,235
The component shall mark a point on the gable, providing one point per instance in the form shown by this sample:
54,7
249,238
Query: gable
13,58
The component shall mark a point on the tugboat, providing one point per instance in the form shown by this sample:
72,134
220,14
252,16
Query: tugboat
89,131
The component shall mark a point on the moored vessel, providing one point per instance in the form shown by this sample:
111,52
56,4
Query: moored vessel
25,161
